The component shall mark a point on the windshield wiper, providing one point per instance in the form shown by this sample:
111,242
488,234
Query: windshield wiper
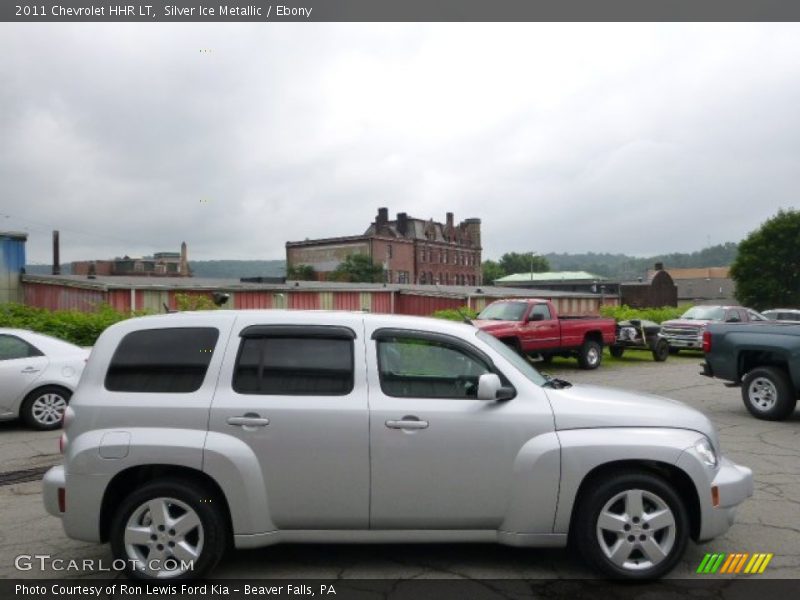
556,384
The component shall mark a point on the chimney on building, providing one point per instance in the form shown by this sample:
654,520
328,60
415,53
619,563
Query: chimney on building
382,220
402,223
184,266
56,254
659,266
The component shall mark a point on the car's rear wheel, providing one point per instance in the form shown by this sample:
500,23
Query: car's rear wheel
631,525
169,530
590,355
43,408
768,394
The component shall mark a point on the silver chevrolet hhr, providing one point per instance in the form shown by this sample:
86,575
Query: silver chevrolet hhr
192,432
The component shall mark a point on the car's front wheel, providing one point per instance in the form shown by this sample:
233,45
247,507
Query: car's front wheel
43,409
768,394
631,525
169,530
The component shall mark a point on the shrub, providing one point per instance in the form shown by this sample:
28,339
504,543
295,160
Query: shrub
453,314
81,328
626,313
194,302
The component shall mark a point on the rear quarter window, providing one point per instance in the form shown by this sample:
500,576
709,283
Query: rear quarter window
170,360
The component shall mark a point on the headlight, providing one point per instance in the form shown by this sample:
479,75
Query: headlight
706,452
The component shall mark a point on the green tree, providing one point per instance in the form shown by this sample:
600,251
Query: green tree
491,271
301,273
767,268
358,268
514,262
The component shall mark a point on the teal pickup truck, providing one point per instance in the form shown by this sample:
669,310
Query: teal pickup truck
763,358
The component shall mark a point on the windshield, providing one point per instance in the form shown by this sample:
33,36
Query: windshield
704,313
522,365
504,311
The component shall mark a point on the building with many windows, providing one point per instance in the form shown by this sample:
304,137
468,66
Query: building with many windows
410,250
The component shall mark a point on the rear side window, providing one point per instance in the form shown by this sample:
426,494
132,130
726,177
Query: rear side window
171,360
289,364
12,347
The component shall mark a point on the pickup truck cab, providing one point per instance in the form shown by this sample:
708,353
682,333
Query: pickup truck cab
762,359
193,432
686,333
533,327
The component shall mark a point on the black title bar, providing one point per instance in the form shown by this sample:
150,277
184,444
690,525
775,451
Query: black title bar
152,11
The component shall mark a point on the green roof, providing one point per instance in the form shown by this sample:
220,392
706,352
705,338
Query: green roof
552,276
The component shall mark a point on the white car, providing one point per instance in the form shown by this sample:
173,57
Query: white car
38,374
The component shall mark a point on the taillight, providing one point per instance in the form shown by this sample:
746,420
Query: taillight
706,341
62,500
62,443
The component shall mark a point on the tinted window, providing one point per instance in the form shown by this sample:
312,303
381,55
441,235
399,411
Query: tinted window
173,360
12,347
296,366
419,368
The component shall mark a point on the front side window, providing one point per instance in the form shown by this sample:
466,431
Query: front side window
170,360
12,347
294,365
416,367
541,309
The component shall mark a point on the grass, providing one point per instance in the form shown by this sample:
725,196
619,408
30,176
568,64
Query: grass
631,358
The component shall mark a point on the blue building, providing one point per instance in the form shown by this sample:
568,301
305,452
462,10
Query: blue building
12,264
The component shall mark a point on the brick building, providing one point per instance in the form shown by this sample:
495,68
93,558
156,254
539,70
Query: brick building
161,264
410,250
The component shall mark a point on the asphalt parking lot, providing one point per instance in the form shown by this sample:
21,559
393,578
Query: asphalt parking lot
769,522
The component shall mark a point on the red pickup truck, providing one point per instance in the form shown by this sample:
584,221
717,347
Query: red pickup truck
532,326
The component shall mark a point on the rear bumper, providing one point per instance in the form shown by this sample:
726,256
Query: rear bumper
53,480
83,497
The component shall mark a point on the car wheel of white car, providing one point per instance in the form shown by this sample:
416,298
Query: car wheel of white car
768,394
632,525
169,530
44,408
590,355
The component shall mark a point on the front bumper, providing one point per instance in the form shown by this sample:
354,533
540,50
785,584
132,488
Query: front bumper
733,484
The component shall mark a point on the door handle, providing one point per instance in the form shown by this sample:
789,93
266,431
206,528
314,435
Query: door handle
249,421
407,424
29,370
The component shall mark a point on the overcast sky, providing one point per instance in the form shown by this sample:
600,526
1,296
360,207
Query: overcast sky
633,138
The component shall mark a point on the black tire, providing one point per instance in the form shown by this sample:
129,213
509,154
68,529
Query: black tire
44,407
674,351
661,350
609,494
210,538
590,355
616,351
768,394
546,359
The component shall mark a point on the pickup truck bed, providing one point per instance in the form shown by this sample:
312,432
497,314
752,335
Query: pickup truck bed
761,357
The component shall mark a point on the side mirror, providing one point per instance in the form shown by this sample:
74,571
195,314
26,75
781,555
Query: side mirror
536,317
491,388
